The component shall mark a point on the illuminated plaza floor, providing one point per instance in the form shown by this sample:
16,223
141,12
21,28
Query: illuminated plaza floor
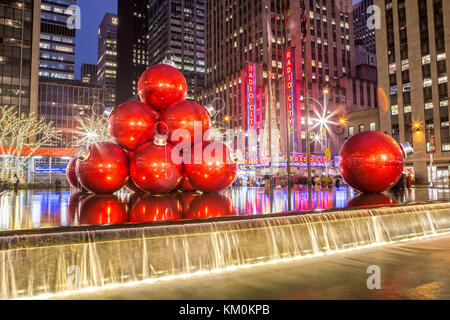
416,270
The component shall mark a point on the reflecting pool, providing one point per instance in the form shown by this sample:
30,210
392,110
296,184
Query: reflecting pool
47,209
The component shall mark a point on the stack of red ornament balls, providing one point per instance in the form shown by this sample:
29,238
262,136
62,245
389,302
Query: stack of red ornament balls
140,159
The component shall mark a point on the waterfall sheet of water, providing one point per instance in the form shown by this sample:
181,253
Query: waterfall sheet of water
47,264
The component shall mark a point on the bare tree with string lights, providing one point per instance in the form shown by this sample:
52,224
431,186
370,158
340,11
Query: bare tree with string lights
21,136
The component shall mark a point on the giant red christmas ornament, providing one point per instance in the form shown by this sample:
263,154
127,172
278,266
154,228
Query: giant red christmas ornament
152,168
185,185
132,124
162,85
102,209
103,168
211,168
154,208
210,205
130,185
372,161
186,120
71,174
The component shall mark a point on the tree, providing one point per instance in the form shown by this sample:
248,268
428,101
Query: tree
91,129
21,136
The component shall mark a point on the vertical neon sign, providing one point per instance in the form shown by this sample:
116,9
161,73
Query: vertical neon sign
290,89
251,96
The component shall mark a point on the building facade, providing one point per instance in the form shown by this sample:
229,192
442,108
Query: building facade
66,103
257,42
177,32
19,54
107,57
364,26
57,54
132,47
412,48
89,73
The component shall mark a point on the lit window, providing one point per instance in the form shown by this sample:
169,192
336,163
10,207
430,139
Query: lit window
350,131
394,110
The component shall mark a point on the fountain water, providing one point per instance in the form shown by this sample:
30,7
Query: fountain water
39,265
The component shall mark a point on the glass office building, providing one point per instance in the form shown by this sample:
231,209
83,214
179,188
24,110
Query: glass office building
57,45
18,53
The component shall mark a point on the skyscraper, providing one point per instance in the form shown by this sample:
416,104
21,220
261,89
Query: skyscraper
132,47
89,73
107,57
57,56
262,36
364,26
66,102
412,46
177,31
19,54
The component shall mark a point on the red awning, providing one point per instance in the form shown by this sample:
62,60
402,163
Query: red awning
48,152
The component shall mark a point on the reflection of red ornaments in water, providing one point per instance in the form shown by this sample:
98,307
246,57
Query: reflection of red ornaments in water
73,206
182,117
366,200
209,205
71,174
105,170
132,124
186,199
211,168
185,185
102,209
153,170
161,86
154,208
371,161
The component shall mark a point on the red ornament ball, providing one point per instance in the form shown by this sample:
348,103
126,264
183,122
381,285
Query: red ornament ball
186,121
211,168
132,124
185,185
103,168
153,208
162,85
71,174
153,170
371,161
102,209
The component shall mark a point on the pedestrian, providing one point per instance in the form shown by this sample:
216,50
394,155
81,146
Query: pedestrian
57,184
408,181
338,182
15,181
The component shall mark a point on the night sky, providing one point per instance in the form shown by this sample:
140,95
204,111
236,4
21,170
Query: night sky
92,12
